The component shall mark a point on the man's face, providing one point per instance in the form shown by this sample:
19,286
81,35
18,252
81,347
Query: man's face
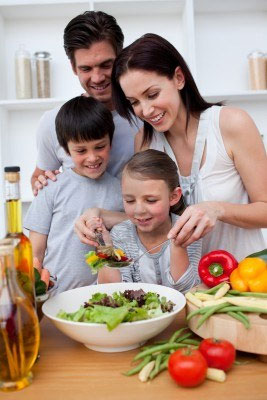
93,67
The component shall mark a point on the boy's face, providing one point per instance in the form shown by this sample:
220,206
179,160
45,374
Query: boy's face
90,158
93,67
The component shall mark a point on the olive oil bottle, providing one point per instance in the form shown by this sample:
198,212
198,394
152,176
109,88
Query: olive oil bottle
23,251
19,326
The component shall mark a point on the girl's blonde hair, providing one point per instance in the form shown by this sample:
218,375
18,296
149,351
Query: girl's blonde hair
155,164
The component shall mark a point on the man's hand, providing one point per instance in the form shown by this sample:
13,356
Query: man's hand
40,177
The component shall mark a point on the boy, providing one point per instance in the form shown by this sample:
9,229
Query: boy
84,128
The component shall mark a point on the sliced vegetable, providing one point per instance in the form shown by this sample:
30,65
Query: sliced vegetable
215,267
106,256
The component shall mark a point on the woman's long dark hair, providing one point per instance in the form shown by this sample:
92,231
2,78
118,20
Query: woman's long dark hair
152,52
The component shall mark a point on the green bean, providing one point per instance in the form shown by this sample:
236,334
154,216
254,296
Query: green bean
156,349
202,310
249,294
209,313
138,368
244,309
176,334
237,316
213,289
162,367
194,342
182,338
245,317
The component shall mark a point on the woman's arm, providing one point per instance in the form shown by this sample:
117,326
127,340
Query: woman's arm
245,147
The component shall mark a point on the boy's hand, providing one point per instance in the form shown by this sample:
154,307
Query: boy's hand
41,180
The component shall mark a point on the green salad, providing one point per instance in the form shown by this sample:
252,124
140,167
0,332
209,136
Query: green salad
129,306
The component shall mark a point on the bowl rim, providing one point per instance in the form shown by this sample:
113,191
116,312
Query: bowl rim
144,321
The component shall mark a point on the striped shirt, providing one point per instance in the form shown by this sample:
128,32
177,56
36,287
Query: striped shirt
154,268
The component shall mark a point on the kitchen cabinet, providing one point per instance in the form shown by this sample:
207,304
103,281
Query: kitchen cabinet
215,38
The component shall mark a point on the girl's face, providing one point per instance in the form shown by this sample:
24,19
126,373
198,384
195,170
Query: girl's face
154,98
147,202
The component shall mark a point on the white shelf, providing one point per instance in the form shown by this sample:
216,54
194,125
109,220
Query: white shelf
245,96
31,104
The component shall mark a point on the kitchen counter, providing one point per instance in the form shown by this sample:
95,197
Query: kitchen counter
67,370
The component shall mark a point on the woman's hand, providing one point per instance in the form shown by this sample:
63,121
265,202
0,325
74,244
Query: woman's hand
195,222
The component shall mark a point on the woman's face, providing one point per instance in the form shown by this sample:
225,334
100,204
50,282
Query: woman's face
154,98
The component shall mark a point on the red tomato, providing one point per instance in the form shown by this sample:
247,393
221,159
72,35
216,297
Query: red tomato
124,258
187,367
218,353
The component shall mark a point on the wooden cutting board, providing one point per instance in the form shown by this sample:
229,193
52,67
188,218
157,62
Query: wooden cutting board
221,326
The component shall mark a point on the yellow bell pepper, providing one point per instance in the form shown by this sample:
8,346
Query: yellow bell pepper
250,276
92,258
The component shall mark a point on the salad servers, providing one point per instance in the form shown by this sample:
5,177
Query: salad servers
103,246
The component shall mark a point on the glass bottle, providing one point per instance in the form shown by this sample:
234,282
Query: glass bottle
42,63
23,73
23,251
19,326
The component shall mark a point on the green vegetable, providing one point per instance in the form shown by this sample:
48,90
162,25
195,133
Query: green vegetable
260,254
40,286
130,306
138,368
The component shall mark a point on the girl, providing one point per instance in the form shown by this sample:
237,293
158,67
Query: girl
220,156
150,190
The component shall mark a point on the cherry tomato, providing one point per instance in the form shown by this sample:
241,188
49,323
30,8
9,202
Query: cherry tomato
124,258
218,353
187,367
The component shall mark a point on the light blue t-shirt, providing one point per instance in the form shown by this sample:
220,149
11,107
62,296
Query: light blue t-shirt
53,213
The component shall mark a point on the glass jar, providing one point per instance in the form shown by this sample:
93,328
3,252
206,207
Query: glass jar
42,64
257,71
23,73
19,326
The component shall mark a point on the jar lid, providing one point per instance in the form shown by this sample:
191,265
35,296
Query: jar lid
42,54
256,54
12,169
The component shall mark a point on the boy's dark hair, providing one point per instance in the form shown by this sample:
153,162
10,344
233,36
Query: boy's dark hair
82,119
153,53
155,164
92,27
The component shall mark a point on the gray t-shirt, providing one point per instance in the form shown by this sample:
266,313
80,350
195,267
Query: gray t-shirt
51,155
53,213
154,268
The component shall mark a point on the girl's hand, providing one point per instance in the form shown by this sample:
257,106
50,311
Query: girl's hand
85,233
195,222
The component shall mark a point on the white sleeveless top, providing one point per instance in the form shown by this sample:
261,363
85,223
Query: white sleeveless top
217,180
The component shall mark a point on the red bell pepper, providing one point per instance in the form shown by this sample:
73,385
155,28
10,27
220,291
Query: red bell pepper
216,267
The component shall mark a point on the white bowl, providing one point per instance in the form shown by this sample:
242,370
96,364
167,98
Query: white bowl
125,336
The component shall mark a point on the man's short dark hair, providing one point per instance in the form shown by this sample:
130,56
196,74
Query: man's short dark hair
92,27
82,119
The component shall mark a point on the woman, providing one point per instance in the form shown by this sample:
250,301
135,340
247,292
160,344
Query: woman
218,150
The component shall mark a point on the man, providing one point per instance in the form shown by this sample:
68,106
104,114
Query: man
92,41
